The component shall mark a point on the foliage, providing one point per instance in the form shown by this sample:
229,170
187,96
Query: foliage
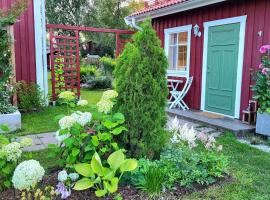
59,72
47,193
80,137
108,65
5,105
261,88
30,96
88,71
103,178
10,153
7,18
98,82
141,83
68,99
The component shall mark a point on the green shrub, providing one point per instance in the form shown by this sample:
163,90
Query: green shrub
30,96
142,86
99,82
108,65
87,71
5,105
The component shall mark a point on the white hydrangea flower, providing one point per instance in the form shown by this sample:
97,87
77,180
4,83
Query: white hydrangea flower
105,106
109,94
82,118
12,151
66,122
62,176
27,174
73,176
61,138
82,103
26,142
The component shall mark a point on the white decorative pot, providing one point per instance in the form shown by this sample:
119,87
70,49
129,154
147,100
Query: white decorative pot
263,124
13,120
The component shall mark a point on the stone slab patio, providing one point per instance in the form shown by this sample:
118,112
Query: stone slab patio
222,124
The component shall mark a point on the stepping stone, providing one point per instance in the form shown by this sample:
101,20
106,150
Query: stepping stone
49,140
206,130
216,134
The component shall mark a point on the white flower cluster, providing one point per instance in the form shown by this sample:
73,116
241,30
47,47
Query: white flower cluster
82,118
104,106
82,103
27,174
66,122
184,133
12,151
109,94
26,142
63,176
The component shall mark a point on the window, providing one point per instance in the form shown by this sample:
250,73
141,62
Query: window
177,47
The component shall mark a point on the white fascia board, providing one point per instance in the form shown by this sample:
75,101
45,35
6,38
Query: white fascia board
180,7
40,45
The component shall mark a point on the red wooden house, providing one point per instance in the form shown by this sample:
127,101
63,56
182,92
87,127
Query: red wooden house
29,34
215,41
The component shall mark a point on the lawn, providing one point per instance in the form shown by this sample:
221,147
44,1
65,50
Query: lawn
250,173
43,121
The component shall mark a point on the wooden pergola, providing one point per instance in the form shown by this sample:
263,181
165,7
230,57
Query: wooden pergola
65,55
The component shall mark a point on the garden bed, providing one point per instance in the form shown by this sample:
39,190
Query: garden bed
127,192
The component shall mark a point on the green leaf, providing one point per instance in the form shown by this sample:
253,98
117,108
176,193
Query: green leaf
116,159
119,117
129,165
84,169
75,152
112,186
7,184
119,130
83,184
58,117
96,164
108,174
4,127
69,142
3,140
109,124
100,193
95,141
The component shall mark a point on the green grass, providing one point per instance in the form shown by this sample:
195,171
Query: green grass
250,171
40,122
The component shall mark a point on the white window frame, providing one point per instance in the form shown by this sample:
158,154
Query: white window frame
167,32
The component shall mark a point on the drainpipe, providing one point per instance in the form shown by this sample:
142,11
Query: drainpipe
132,23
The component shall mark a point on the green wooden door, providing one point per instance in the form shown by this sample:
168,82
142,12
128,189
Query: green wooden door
222,62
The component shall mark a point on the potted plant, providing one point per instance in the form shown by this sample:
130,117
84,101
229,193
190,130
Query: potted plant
261,90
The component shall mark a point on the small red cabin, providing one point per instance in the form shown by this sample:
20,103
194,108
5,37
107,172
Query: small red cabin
215,41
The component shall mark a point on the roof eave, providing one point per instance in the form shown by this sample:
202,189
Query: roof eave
180,7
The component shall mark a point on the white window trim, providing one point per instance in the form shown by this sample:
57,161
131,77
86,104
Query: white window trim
242,20
167,33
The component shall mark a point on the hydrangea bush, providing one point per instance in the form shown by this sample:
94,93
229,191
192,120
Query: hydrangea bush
261,77
10,155
80,135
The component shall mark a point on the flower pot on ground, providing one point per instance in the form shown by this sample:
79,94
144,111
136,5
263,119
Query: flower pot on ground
12,120
263,123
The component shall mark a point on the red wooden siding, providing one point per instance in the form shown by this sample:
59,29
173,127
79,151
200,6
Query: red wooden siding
24,35
258,19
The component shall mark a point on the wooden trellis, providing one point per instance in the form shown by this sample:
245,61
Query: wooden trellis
65,56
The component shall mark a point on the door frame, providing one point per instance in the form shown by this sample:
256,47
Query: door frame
242,20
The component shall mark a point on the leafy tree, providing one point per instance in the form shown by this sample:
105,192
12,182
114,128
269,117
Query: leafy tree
141,83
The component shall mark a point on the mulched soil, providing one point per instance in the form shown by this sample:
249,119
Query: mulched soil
127,192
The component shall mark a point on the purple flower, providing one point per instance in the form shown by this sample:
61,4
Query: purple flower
263,49
267,47
62,189
261,66
265,71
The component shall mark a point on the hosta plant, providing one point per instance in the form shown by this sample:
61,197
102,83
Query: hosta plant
103,176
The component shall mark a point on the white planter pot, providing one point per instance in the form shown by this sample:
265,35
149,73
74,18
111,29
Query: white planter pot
263,124
13,120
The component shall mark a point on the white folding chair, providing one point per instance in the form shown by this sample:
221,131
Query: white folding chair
178,96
